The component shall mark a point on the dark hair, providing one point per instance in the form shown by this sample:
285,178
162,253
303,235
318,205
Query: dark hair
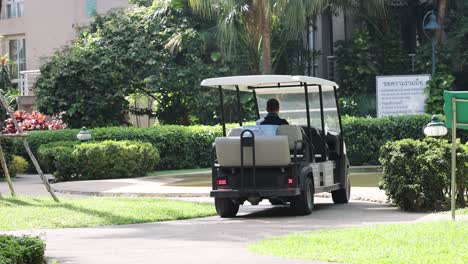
272,105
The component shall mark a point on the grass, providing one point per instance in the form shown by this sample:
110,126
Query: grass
435,242
462,211
37,213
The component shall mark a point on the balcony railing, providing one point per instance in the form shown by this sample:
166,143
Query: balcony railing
27,79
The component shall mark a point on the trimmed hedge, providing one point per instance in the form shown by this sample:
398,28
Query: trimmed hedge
71,160
180,147
189,147
416,173
365,136
21,250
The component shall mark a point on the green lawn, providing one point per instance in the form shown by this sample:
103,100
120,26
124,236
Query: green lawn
437,242
35,213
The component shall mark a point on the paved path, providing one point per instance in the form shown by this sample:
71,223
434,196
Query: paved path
205,240
162,186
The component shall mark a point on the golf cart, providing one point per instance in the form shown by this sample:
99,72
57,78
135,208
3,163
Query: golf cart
285,164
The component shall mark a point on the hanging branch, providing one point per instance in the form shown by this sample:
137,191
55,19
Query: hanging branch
28,149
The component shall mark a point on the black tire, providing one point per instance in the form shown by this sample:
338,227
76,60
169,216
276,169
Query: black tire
276,201
303,204
342,196
225,207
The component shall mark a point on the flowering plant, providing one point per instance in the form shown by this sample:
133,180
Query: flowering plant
33,121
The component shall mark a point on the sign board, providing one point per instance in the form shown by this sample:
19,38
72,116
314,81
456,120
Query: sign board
401,94
461,109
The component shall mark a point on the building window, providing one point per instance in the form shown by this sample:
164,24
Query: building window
17,55
91,7
13,8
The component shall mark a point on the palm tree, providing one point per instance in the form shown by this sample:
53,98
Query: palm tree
249,21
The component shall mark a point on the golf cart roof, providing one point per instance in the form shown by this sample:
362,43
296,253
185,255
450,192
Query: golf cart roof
279,83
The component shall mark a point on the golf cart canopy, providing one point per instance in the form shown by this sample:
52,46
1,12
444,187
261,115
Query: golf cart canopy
277,84
304,101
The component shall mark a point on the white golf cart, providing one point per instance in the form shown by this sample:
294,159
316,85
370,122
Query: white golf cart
285,164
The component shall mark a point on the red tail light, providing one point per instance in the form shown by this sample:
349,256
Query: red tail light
290,181
221,182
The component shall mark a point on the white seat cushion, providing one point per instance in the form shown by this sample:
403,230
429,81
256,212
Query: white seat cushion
269,151
294,133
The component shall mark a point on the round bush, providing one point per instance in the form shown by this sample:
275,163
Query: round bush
72,160
416,173
19,164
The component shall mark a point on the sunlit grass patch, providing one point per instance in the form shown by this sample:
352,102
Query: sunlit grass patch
435,242
34,213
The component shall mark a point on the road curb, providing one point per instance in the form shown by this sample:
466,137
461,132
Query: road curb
182,195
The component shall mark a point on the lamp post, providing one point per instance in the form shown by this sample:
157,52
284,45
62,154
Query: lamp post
435,128
430,27
83,135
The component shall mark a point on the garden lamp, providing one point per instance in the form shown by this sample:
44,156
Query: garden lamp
435,128
83,135
430,27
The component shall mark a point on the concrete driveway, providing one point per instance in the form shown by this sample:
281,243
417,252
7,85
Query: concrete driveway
205,240
208,240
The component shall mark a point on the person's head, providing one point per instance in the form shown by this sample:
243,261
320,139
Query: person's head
273,106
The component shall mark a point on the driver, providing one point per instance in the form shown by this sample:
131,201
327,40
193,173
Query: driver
272,117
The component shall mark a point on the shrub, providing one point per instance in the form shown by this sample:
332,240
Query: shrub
180,146
31,122
56,158
24,250
71,160
19,164
365,136
184,147
416,173
114,159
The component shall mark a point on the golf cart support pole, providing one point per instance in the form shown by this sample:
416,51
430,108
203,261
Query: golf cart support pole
321,109
239,105
306,90
257,111
339,116
222,109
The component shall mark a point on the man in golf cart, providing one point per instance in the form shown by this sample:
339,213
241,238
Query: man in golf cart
272,117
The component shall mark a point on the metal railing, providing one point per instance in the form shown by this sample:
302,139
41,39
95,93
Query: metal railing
27,79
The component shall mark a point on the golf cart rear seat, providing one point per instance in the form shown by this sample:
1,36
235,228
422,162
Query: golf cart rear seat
269,151
294,134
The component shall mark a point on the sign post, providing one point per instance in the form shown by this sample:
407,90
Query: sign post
457,117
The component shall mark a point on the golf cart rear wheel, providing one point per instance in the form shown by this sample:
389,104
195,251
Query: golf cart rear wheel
225,207
342,196
303,204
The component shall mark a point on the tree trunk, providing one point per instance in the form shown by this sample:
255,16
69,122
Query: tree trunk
266,36
441,17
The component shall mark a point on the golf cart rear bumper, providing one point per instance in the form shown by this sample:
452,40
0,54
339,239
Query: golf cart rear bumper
264,193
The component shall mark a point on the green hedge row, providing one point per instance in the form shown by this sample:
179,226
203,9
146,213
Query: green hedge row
21,250
180,147
72,160
189,147
416,173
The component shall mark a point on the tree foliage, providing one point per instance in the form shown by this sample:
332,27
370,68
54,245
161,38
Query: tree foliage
157,51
